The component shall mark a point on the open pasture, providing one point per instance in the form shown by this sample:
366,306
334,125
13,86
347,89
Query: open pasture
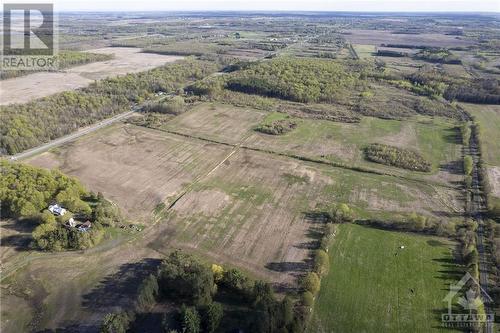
434,138
375,286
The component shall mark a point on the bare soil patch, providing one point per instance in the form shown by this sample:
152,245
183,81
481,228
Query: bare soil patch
208,202
36,85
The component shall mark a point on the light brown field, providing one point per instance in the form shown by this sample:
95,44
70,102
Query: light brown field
127,60
217,122
135,167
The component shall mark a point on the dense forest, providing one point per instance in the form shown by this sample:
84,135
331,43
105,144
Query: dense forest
300,80
395,156
65,59
27,125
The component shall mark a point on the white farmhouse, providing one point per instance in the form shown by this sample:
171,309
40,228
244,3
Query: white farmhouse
57,210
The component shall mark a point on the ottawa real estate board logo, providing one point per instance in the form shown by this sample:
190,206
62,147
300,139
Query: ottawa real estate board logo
28,37
467,305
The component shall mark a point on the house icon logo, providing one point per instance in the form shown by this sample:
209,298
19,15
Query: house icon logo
467,304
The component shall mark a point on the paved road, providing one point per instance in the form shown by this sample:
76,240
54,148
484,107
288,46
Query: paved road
73,136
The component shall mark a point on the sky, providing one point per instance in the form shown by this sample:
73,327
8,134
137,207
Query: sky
281,5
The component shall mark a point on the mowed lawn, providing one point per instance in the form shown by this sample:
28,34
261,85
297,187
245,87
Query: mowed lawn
369,286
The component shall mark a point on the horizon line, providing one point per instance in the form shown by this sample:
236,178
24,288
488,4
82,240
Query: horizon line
277,11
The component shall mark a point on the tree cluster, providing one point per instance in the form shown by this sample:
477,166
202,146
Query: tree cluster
442,56
191,287
277,127
174,106
398,157
27,191
477,90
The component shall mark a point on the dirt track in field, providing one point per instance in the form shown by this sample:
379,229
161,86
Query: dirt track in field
127,60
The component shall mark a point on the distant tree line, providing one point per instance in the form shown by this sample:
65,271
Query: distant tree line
391,53
27,125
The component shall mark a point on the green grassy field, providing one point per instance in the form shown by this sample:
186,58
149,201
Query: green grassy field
435,138
489,118
369,287
364,51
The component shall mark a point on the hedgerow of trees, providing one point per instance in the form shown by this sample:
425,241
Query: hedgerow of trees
24,126
398,157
